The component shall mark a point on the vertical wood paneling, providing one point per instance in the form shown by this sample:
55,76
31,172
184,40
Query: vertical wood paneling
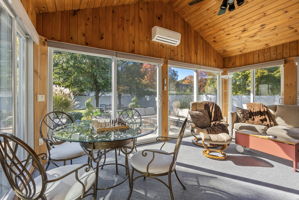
290,82
286,50
40,88
128,29
164,100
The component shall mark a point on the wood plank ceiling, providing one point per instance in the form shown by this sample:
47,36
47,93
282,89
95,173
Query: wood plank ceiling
255,25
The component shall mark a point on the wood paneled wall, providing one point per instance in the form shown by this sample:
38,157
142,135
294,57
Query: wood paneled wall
29,6
127,28
286,50
40,88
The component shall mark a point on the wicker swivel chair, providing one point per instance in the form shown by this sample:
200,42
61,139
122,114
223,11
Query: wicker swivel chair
154,163
58,151
29,180
214,139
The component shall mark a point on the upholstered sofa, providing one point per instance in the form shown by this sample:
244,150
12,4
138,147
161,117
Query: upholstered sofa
286,119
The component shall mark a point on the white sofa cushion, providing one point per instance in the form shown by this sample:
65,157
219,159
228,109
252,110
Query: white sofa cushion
66,150
252,127
160,164
284,132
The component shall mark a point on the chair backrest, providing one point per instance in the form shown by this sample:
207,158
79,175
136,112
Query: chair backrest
179,141
19,161
51,121
212,108
131,117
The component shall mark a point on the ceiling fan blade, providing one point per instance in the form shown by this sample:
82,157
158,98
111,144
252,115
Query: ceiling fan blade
193,2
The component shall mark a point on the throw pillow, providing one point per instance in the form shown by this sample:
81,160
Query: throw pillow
243,114
200,118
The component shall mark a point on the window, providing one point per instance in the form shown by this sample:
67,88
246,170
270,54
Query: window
137,87
6,84
187,85
14,99
207,86
257,85
267,85
81,83
241,88
180,94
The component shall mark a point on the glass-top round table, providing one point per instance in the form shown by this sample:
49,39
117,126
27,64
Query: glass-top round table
91,141
83,132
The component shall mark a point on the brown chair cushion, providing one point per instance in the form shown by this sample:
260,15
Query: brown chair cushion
200,118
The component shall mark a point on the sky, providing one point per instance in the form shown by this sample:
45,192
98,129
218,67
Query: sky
183,72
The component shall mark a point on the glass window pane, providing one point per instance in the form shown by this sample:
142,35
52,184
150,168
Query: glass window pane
81,84
137,88
181,94
268,85
6,86
207,86
241,88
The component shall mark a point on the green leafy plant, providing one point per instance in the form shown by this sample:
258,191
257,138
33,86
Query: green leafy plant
90,111
63,99
76,115
134,103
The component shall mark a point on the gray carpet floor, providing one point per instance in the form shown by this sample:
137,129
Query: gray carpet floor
248,176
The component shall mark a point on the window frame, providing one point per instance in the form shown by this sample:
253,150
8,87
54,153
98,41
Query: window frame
114,56
253,78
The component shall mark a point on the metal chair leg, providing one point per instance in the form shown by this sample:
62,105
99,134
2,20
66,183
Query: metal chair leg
170,187
104,162
131,183
116,162
183,186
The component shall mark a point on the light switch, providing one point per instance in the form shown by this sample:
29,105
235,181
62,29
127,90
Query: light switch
41,98
40,141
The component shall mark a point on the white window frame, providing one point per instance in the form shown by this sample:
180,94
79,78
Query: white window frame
114,56
195,69
27,57
252,74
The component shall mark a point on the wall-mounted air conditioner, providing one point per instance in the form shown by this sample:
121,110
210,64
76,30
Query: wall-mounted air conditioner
165,36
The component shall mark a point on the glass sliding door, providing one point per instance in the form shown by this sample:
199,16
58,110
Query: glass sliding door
268,85
137,87
6,84
181,94
6,73
207,86
82,84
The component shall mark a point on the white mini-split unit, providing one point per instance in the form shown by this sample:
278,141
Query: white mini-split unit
165,36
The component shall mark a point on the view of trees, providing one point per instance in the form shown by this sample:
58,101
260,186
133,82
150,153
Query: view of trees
267,82
82,73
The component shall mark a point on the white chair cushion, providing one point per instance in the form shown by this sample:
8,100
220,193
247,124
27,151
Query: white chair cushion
160,164
67,188
221,138
66,151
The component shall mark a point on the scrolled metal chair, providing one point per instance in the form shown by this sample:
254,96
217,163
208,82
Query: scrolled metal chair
29,180
58,151
153,163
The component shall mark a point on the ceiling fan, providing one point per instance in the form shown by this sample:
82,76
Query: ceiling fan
223,7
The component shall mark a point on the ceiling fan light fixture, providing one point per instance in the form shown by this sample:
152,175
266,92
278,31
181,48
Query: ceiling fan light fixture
231,5
240,2
223,5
